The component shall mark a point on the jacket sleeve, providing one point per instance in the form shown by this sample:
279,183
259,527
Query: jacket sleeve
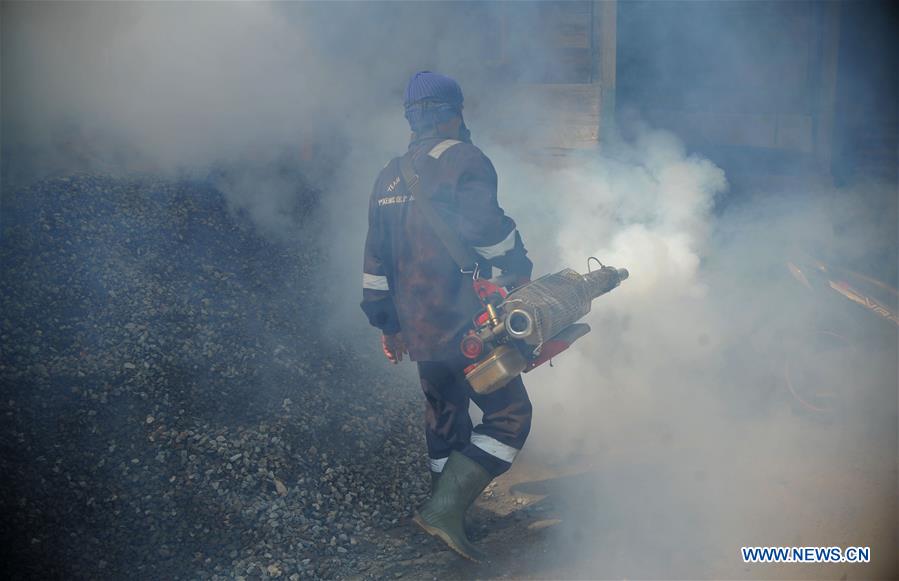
483,223
377,299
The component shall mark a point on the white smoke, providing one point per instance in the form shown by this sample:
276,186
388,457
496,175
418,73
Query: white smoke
674,406
683,373
647,209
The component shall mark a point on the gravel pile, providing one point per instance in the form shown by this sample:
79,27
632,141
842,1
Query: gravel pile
168,409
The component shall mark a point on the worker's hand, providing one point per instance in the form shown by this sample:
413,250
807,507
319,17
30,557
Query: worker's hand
393,347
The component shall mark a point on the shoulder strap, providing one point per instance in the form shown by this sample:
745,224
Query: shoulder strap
462,254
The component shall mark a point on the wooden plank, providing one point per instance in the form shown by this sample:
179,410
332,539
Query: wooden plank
607,11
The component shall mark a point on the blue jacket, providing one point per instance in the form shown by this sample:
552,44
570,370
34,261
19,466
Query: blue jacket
410,283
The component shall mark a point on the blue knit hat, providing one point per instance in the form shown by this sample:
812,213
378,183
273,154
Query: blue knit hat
429,86
431,98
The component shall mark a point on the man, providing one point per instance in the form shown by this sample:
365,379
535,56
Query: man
422,301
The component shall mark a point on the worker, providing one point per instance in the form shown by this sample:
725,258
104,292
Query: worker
423,301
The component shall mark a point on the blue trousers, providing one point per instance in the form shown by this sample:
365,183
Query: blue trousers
493,443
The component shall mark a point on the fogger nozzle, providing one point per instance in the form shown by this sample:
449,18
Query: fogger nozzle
601,281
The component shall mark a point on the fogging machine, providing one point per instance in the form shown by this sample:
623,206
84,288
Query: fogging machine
527,327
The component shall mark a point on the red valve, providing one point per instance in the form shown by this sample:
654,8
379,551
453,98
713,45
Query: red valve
472,346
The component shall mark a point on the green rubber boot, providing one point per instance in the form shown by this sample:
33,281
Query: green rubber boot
443,515
435,476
